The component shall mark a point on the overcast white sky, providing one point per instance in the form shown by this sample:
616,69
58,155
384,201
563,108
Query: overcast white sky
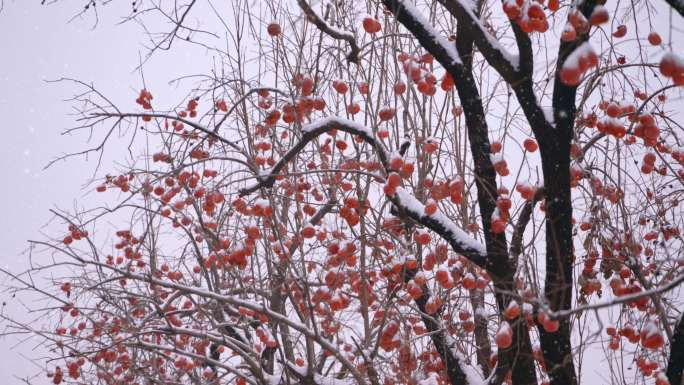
38,43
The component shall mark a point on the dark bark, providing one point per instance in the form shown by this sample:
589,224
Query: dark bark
555,153
471,30
676,362
485,175
554,141
554,148
353,56
439,336
484,346
678,6
444,348
518,358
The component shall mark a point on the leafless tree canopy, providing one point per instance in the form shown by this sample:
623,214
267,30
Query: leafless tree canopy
378,192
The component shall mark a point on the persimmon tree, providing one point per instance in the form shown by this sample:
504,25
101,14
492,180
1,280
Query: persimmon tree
382,192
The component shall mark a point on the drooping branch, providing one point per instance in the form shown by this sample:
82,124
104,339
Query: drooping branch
563,314
309,133
196,126
333,32
242,99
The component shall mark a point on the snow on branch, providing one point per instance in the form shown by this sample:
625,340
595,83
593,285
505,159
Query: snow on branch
410,17
310,132
459,240
497,56
674,283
